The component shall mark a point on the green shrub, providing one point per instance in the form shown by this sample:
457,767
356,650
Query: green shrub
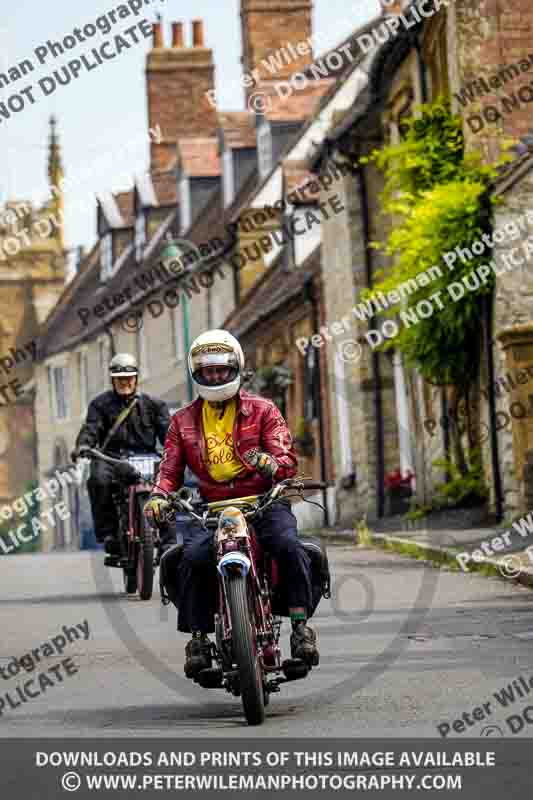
437,195
461,491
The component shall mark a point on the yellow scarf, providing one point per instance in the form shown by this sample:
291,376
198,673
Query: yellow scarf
222,462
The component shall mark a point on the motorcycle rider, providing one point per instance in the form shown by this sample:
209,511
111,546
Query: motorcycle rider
201,436
146,422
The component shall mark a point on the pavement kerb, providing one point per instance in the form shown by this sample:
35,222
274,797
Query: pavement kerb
439,556
443,556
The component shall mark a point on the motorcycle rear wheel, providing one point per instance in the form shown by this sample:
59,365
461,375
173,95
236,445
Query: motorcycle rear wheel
245,651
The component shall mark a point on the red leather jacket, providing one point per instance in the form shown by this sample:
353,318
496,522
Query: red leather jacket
258,423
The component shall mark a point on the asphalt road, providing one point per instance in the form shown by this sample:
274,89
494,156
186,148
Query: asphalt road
404,648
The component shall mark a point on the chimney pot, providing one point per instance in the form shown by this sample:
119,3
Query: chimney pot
391,7
177,34
198,33
158,34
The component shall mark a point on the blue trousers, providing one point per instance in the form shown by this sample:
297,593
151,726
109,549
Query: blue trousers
197,574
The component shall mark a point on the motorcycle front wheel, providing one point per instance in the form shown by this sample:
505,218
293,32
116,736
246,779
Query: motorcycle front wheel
245,651
145,555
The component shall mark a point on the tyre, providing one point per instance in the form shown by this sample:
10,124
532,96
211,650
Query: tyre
145,556
130,582
244,651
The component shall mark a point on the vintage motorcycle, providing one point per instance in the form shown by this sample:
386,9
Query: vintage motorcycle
250,598
139,548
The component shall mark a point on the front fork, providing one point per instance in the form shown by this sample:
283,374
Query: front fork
267,632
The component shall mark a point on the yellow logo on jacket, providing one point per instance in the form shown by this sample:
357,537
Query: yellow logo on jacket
223,463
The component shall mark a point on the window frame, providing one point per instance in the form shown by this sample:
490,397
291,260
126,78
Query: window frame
140,235
228,177
141,350
104,353
83,380
55,368
185,205
177,334
106,255
265,160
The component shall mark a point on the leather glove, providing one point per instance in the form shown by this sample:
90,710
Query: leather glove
155,509
264,463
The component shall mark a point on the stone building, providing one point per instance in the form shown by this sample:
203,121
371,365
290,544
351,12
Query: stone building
32,277
461,45
283,224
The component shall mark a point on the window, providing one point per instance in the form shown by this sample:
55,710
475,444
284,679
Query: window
58,376
264,149
83,374
227,177
140,235
106,256
177,333
185,219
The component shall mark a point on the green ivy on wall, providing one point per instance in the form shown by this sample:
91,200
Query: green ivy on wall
438,196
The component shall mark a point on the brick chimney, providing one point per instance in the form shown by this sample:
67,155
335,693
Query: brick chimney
268,28
177,79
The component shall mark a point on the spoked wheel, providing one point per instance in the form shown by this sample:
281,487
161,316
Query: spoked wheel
245,651
145,556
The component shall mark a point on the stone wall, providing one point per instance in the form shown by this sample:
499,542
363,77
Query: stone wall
491,35
513,309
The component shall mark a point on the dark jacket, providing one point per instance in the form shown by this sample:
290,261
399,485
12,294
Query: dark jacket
147,423
258,423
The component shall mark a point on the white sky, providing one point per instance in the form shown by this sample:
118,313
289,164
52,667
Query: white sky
106,108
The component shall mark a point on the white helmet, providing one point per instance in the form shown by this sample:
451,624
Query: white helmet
216,348
123,365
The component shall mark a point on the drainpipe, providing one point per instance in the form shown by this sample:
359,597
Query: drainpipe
112,347
495,460
187,344
378,398
209,307
422,68
309,296
487,312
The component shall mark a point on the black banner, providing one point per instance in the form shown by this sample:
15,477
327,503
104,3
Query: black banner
35,769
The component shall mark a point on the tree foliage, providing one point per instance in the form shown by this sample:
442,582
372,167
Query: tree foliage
437,196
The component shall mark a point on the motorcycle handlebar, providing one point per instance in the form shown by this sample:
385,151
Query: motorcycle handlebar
314,485
97,454
190,506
